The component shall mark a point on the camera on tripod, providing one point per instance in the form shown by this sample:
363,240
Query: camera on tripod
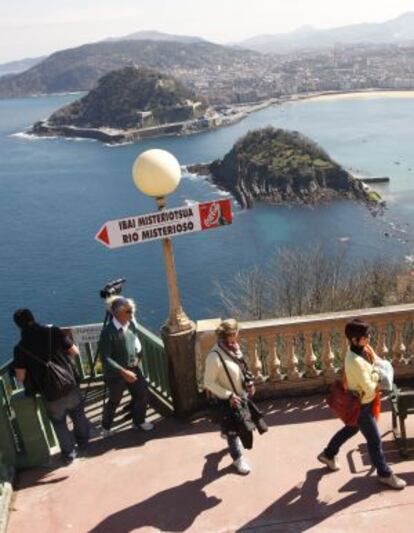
113,288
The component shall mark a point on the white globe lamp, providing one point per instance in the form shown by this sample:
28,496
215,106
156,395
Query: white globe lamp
156,173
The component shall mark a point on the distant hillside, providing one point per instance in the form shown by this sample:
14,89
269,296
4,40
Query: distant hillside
130,98
398,30
14,67
158,36
279,166
78,69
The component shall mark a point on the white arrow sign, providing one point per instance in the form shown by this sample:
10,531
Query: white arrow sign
164,224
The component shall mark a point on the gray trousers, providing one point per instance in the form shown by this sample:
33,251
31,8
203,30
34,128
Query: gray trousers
139,394
58,410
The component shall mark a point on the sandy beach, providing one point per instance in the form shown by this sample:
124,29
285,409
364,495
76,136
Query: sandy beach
355,95
369,94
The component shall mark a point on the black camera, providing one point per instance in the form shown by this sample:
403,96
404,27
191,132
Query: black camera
113,288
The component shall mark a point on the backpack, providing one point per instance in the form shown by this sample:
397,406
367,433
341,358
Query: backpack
58,380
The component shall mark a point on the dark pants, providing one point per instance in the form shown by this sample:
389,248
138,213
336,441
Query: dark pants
58,410
368,427
139,393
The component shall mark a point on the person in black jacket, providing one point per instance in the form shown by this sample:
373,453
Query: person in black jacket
38,346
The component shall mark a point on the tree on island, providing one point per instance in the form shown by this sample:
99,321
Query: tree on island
131,98
281,166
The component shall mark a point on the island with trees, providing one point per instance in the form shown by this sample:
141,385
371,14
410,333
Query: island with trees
131,104
281,166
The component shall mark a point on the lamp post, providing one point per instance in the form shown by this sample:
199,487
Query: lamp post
157,173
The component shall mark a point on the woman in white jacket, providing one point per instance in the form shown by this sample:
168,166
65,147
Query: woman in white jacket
362,379
216,381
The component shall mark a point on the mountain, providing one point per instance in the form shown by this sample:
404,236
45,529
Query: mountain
126,99
78,69
14,67
396,31
280,166
158,36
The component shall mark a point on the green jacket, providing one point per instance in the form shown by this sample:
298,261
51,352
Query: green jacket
117,349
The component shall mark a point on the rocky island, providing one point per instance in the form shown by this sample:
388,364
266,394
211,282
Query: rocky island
131,104
280,166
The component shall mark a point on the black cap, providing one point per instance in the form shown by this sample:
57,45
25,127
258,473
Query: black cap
357,328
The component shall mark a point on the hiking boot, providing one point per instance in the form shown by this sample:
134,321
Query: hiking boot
241,466
332,464
393,481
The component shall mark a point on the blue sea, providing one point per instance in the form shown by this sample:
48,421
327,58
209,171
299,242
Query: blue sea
55,194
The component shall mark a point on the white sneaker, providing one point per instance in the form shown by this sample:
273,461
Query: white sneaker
106,433
332,464
146,426
241,466
393,481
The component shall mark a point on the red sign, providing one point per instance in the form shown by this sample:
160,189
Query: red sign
215,214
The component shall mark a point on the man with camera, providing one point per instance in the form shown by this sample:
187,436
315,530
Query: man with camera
42,363
120,348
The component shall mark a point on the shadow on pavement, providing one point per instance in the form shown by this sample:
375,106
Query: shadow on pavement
161,510
300,509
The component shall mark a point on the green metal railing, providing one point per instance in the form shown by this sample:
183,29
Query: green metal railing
154,363
13,442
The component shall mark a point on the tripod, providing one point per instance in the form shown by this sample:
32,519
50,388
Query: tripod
106,321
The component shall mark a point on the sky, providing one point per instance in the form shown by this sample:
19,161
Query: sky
30,28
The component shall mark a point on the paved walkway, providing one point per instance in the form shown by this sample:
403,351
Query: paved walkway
179,479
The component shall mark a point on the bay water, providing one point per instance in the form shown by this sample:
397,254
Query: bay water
55,194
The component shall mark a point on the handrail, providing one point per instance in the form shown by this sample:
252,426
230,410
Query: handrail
305,353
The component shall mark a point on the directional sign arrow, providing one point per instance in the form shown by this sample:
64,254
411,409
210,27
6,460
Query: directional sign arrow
103,236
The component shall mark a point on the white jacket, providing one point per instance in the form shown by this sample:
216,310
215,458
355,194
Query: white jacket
361,376
215,377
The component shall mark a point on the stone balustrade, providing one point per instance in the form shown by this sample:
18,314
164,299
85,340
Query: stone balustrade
304,354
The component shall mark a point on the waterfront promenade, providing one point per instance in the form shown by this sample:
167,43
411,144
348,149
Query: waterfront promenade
178,478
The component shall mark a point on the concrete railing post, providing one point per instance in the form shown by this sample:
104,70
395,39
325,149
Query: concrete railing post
179,348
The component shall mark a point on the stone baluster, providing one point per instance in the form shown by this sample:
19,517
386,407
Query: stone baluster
310,357
398,348
410,347
343,348
291,359
328,357
273,360
381,348
255,363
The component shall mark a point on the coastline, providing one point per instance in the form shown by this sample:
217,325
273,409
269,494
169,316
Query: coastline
115,137
368,94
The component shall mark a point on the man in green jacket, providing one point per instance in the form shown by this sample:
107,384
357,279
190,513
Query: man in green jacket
120,349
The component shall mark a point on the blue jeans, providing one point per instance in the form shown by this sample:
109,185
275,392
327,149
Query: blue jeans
58,410
368,427
235,447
